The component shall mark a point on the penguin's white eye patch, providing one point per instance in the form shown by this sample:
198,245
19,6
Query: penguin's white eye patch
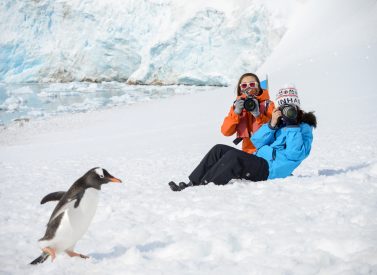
99,172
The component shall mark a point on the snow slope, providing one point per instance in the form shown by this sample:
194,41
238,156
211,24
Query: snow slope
320,221
332,56
148,41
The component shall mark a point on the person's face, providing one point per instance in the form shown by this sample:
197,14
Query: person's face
249,85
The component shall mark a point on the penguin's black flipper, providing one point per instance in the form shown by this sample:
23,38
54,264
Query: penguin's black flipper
78,198
63,205
40,259
55,196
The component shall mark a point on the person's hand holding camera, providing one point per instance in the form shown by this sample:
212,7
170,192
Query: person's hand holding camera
255,112
276,114
238,106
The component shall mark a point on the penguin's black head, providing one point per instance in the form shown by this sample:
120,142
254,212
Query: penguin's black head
97,176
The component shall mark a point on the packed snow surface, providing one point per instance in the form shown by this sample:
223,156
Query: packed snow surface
320,221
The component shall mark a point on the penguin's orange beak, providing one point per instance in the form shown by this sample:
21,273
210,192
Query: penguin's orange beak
115,180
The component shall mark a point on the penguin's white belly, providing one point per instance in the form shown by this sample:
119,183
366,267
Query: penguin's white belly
75,222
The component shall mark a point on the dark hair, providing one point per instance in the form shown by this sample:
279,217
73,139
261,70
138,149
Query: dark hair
308,118
244,75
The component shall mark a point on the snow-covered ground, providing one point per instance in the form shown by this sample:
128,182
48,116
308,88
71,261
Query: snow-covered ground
320,221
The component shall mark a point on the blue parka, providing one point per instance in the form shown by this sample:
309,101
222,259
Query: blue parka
284,148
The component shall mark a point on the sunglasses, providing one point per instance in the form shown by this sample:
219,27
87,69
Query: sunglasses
245,85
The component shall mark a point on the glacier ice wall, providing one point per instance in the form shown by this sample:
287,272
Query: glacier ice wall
139,41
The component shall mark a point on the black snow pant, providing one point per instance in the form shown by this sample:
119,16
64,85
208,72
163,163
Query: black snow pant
223,163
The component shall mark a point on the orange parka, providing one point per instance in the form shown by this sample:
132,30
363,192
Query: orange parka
233,121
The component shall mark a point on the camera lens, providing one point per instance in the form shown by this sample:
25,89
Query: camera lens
289,112
249,104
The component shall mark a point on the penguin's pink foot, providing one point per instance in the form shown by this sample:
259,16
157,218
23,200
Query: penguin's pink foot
74,254
50,251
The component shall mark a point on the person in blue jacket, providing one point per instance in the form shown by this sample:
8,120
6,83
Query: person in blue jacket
282,144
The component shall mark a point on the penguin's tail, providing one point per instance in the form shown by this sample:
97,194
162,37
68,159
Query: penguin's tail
40,259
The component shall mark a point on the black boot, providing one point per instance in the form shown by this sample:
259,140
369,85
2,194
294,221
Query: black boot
174,187
182,185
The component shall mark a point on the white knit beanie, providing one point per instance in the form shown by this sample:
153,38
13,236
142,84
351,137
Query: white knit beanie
288,95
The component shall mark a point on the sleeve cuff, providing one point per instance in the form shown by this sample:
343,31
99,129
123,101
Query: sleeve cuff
272,128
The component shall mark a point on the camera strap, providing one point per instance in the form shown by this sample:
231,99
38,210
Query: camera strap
237,140
242,128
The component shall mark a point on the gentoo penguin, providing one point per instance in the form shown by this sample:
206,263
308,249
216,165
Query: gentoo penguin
72,215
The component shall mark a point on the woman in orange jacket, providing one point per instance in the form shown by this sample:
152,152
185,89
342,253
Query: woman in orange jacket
246,122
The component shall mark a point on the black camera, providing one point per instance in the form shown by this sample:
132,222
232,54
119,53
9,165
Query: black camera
289,112
249,104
